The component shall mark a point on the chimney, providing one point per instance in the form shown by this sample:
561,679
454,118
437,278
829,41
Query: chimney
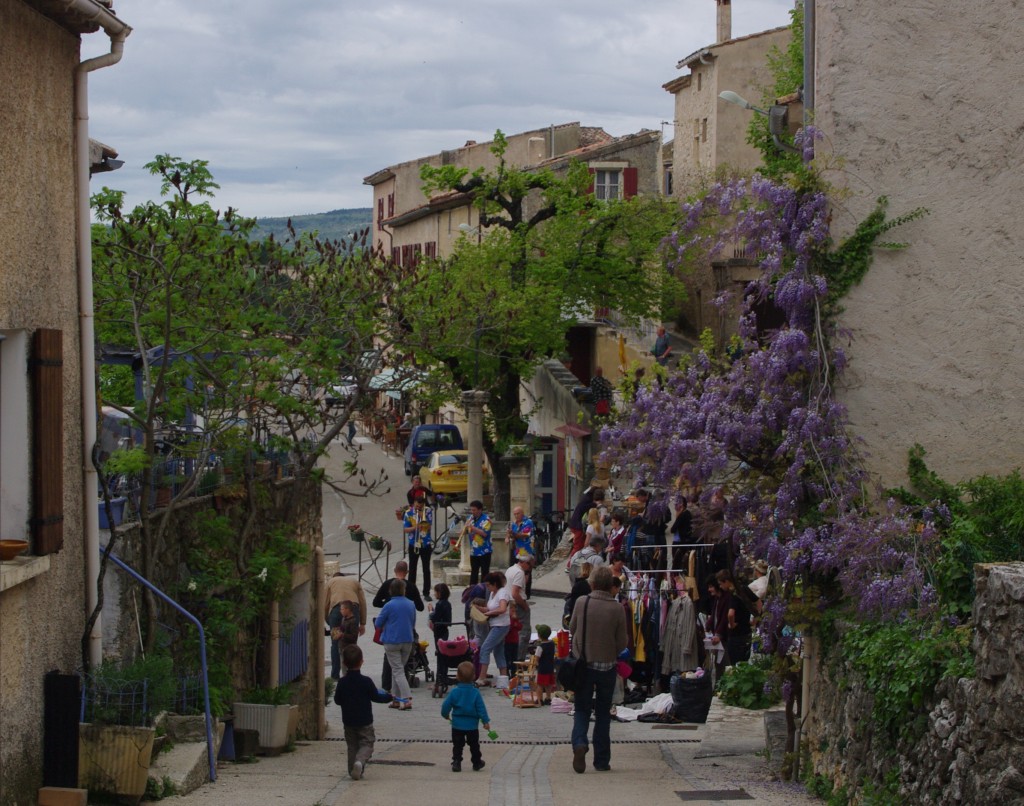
724,23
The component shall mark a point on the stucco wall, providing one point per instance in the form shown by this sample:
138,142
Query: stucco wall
921,102
41,620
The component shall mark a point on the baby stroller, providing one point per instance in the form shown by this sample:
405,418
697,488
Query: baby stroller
418,662
450,653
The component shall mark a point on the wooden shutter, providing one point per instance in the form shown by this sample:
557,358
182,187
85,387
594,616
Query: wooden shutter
47,368
592,172
629,183
380,213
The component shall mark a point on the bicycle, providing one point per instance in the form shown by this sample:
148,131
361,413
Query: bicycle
548,528
450,539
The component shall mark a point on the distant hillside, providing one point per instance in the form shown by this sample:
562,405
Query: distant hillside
335,225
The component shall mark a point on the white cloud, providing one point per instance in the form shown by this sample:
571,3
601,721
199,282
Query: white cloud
293,104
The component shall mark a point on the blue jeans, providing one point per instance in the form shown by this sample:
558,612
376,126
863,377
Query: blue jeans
333,620
595,695
495,644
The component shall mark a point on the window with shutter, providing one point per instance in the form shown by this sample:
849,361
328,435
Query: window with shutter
607,184
47,367
15,464
391,204
380,213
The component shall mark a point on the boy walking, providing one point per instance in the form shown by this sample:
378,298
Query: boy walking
355,694
465,707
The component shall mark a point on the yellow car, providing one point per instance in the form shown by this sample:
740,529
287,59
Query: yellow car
447,472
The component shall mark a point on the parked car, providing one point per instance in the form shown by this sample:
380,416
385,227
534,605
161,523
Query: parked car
340,394
447,472
425,439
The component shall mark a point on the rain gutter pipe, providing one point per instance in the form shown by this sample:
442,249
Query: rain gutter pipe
117,31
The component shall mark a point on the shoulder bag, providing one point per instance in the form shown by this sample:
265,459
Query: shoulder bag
573,670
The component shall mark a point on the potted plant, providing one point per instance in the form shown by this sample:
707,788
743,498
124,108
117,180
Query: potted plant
115,737
268,711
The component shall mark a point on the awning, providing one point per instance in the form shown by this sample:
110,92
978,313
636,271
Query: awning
392,379
573,430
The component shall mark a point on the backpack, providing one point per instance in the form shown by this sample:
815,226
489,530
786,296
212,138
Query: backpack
577,560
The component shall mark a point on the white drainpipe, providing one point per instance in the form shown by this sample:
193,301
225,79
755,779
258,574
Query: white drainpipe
117,31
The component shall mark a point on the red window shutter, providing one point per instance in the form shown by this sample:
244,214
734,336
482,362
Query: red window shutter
391,204
47,441
590,189
629,183
380,213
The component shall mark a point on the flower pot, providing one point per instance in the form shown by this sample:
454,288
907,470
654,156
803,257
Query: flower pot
9,549
270,721
117,506
114,759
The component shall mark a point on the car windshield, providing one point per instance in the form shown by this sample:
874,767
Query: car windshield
452,458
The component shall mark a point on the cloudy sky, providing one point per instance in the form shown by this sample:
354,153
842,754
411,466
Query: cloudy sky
294,103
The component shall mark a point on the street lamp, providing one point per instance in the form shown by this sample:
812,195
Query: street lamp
777,114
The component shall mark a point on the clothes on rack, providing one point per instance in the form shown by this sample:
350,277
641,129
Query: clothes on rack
679,652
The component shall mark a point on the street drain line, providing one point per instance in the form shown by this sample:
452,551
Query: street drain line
405,740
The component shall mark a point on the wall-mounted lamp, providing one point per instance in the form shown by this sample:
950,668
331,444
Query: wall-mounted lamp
777,114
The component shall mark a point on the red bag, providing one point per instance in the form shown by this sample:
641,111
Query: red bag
603,407
376,633
453,647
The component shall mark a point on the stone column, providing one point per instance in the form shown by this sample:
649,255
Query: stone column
520,482
474,401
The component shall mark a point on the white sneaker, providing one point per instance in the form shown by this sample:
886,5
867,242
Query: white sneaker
357,771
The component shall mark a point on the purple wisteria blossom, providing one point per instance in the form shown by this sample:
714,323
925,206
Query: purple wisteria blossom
765,424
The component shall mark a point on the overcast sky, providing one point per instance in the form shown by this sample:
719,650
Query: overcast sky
294,103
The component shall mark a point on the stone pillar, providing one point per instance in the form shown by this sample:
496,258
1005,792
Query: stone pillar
474,401
520,482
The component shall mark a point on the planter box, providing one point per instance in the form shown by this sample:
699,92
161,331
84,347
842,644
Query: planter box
270,721
114,759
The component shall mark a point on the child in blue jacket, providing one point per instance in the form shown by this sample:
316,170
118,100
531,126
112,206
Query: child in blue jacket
465,707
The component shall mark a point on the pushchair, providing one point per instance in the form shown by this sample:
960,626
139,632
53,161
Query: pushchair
450,653
418,662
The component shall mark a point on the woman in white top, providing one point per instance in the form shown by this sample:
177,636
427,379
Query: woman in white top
500,620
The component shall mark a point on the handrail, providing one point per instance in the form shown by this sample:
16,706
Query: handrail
202,648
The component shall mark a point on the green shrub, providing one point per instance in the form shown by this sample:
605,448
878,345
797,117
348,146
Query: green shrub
743,685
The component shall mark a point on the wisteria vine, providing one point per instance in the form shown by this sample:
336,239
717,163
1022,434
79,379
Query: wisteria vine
763,422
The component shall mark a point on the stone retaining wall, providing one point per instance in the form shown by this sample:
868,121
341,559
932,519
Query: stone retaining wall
973,749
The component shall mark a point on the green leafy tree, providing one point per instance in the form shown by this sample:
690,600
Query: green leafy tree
787,69
239,342
550,255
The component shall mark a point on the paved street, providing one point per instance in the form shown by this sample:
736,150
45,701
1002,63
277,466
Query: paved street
375,512
530,763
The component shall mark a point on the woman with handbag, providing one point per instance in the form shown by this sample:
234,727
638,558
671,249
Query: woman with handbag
598,626
499,620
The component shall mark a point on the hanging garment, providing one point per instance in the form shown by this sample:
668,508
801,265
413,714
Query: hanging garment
679,649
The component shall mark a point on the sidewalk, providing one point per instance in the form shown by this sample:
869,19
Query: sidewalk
530,763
